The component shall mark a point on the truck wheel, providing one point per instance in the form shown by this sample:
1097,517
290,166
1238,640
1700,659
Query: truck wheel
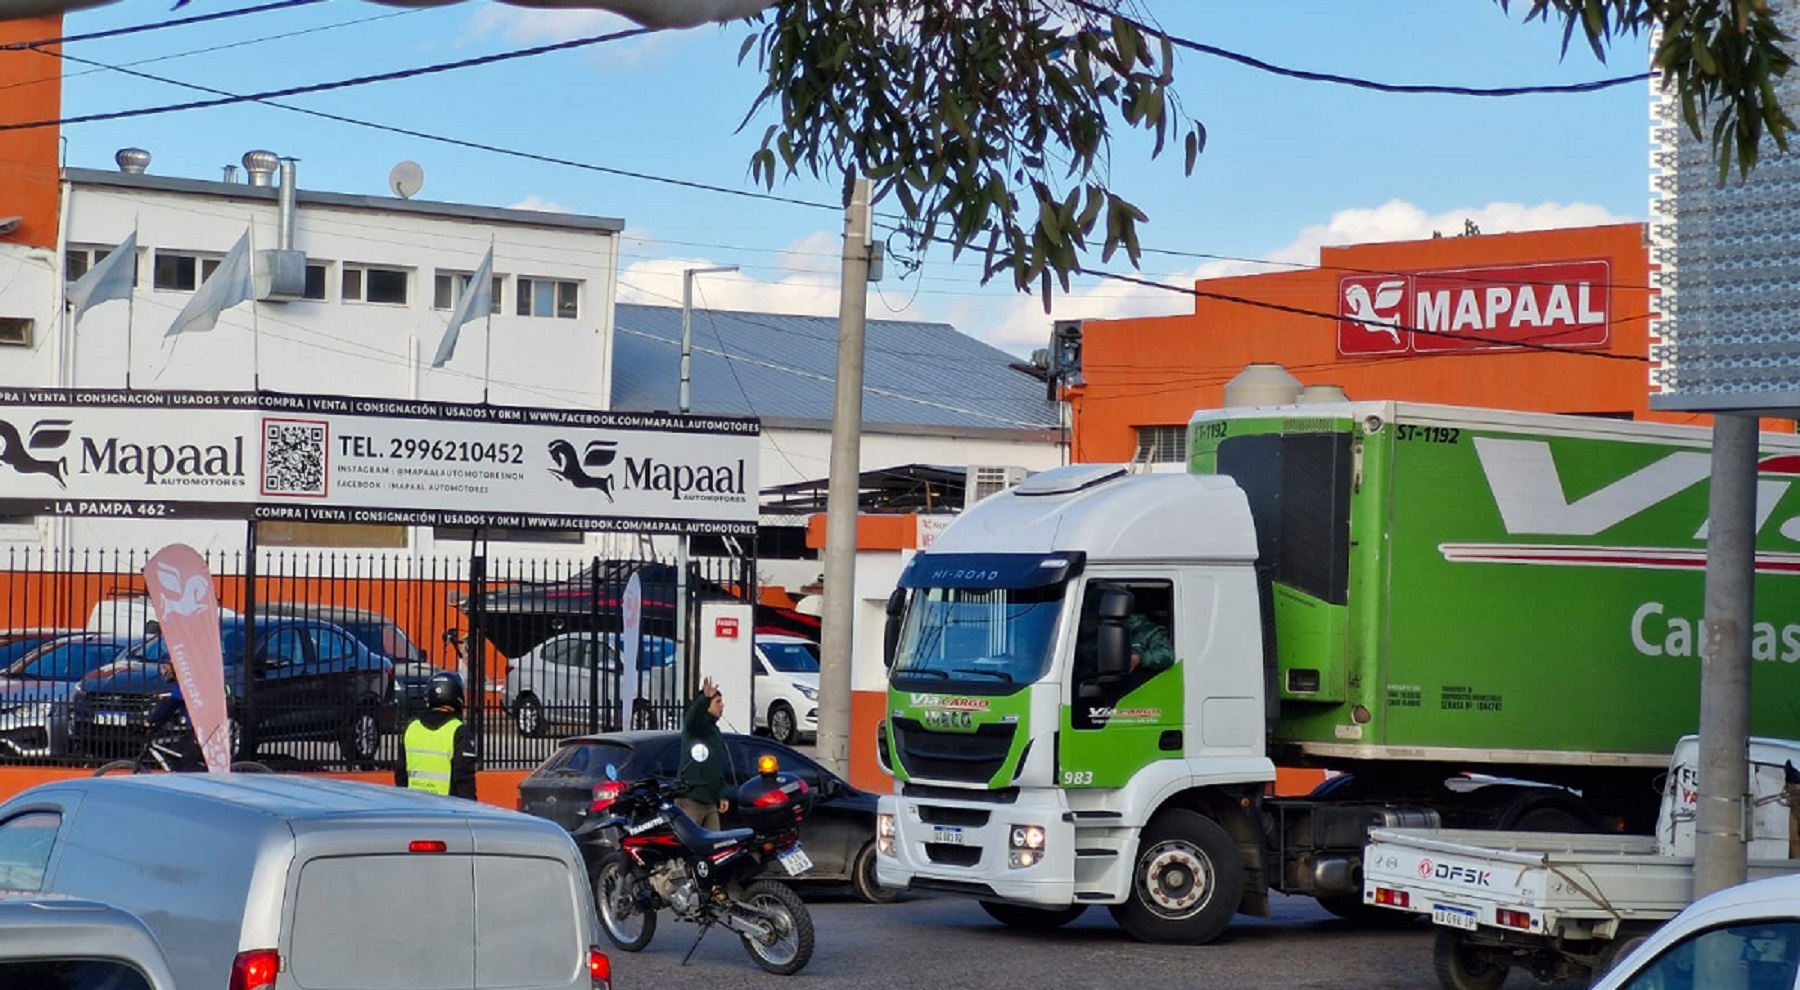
1186,882
1616,950
1032,919
1551,819
1463,967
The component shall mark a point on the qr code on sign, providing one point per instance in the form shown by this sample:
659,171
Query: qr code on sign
293,457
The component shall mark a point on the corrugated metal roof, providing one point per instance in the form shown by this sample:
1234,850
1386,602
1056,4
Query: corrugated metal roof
784,368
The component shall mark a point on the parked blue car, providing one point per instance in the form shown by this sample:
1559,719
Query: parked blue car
306,679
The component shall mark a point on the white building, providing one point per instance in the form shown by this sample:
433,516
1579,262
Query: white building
373,281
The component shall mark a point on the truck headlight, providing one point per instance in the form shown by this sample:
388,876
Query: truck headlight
884,833
1025,846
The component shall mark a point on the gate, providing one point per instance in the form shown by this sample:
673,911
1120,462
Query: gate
329,652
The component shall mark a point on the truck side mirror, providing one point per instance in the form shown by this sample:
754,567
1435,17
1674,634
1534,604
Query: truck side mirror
890,634
1113,642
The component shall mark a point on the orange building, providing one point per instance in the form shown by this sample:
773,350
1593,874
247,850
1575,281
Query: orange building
32,82
1548,321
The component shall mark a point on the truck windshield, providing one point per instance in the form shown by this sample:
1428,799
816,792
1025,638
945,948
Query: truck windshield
976,638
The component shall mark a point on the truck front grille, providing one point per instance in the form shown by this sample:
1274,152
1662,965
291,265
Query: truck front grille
946,854
966,756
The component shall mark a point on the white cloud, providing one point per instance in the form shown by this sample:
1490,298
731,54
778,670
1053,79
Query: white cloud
806,284
540,204
537,26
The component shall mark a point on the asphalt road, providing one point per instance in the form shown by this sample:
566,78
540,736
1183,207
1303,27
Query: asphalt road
937,942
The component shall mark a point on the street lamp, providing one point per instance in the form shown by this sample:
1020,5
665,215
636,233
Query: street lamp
687,322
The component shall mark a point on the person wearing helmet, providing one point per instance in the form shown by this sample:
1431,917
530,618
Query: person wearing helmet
437,751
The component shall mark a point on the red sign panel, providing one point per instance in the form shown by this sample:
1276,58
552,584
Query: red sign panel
1561,304
725,627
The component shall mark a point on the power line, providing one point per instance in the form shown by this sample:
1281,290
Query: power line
98,67
354,81
228,97
159,25
1359,83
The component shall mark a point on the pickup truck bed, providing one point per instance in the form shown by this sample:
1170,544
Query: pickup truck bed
1562,884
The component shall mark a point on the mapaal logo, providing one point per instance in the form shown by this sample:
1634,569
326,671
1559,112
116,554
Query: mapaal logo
46,434
584,470
1371,311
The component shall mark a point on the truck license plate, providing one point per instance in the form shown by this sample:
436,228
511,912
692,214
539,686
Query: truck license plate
1453,917
950,835
795,861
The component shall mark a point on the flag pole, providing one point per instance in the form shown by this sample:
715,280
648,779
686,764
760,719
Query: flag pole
487,362
130,302
255,323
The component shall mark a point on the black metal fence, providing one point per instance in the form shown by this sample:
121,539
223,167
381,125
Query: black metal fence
328,653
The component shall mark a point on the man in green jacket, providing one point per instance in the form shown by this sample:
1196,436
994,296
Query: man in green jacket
703,758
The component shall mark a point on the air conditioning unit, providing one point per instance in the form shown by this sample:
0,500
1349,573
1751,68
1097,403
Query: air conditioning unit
988,479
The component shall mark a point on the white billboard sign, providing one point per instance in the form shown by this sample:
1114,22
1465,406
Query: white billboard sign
340,459
1726,258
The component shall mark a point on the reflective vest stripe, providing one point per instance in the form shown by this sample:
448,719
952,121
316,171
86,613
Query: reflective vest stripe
428,756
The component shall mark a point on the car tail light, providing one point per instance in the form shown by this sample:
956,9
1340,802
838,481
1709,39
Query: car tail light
599,968
605,793
426,846
255,969
1392,898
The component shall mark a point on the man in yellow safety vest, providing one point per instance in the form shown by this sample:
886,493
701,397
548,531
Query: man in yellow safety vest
437,752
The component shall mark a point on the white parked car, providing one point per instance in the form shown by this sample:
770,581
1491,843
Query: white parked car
784,691
554,683
1742,938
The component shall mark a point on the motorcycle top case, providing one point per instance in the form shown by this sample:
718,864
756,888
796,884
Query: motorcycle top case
774,802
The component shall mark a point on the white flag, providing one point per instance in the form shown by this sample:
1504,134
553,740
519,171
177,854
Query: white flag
477,300
227,287
110,279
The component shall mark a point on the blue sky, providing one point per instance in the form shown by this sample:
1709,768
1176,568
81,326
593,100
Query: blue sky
1290,164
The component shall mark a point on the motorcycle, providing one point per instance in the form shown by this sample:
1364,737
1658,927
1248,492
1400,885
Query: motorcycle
658,857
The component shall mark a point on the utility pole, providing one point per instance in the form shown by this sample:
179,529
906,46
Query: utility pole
681,544
687,323
1720,850
843,493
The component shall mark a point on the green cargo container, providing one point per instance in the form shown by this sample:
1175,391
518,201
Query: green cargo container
1488,587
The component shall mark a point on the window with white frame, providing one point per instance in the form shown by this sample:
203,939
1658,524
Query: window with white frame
549,297
376,284
182,271
317,272
79,258
1161,444
448,289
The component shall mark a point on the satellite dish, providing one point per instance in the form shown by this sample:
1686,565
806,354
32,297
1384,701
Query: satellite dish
406,179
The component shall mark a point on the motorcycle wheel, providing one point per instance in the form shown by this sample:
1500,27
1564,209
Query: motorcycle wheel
791,947
629,926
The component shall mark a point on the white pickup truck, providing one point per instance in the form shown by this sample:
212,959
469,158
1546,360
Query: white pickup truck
1569,905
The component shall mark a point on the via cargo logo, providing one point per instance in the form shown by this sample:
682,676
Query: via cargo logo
1562,304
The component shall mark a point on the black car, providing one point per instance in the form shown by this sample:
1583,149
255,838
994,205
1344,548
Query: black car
307,680
839,835
383,637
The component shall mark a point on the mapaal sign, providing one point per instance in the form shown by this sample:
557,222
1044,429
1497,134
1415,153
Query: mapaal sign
1564,304
315,458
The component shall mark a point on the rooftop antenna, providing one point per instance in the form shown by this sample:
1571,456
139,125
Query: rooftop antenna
406,179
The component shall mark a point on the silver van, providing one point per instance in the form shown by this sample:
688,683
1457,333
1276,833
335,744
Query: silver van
62,943
273,882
